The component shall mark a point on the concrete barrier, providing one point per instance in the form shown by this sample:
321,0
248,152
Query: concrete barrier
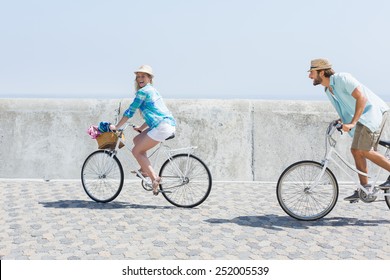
240,140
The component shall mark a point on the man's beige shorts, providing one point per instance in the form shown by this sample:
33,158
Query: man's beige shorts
364,139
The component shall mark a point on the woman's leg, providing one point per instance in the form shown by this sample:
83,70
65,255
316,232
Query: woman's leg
143,143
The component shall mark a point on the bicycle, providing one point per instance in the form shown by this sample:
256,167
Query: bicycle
186,180
308,190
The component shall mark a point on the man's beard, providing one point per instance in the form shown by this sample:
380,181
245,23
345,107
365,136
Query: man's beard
317,81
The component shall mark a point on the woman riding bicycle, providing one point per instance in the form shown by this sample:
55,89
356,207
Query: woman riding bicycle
159,122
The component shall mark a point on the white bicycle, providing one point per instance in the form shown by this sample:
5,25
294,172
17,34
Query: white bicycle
186,179
308,190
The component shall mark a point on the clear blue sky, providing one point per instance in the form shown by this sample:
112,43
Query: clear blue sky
198,49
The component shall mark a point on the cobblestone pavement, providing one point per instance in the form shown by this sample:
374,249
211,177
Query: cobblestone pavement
57,220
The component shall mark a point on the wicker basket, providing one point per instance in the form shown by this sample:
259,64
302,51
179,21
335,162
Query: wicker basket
108,140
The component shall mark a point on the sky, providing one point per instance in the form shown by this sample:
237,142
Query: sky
219,49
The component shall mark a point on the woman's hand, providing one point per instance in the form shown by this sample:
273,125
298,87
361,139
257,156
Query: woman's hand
113,127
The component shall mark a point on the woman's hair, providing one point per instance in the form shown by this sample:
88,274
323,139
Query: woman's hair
327,72
136,84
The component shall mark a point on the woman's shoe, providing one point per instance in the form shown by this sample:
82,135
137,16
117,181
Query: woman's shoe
155,185
143,173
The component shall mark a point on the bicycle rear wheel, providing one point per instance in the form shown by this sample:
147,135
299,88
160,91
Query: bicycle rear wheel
305,196
387,198
102,176
186,180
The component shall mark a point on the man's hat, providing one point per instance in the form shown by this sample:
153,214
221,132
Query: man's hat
320,64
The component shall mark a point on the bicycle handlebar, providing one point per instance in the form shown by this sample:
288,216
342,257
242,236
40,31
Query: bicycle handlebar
339,127
125,127
333,126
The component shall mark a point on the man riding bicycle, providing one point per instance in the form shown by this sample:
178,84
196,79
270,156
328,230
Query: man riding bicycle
362,113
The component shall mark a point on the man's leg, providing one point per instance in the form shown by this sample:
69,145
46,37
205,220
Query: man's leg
361,164
360,157
360,144
364,147
377,158
381,161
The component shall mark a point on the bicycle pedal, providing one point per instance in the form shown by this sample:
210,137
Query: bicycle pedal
161,191
354,201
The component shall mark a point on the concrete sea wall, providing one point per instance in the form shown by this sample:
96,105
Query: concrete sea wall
240,140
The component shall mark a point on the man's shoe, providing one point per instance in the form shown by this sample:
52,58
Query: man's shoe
353,197
385,185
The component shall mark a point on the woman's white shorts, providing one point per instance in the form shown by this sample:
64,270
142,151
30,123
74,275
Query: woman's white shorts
161,132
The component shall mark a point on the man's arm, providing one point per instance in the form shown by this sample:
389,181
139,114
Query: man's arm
361,101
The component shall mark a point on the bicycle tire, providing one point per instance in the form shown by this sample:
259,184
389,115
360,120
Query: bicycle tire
302,201
387,198
102,176
192,188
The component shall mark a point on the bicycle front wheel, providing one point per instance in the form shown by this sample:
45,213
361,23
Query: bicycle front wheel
102,176
186,180
387,197
303,194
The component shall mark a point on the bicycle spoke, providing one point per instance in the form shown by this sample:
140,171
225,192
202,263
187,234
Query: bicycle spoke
102,176
303,195
186,181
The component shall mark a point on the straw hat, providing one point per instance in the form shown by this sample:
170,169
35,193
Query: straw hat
145,69
320,64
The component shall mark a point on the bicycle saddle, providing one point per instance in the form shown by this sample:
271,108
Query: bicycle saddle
385,143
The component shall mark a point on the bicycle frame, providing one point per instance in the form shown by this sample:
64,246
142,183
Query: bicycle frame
168,154
329,157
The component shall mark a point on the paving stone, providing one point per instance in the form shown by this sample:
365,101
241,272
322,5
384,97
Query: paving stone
56,220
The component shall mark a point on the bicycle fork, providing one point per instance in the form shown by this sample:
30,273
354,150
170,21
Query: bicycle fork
325,164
